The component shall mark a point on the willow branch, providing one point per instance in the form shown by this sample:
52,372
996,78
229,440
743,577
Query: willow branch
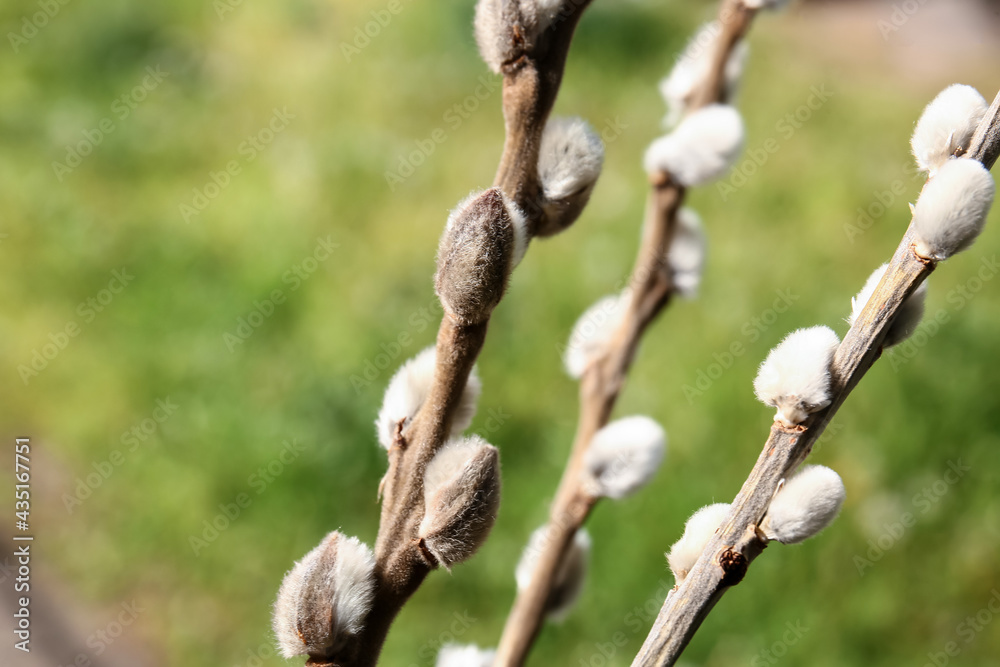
601,383
531,83
725,559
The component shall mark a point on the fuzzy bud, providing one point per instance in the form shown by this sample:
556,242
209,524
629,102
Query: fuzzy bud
701,149
624,456
686,256
952,209
507,30
795,377
569,162
806,504
461,499
484,240
324,599
408,390
470,655
698,530
946,126
569,577
692,69
907,317
592,332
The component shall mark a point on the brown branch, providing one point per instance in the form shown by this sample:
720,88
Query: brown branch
531,83
650,289
735,544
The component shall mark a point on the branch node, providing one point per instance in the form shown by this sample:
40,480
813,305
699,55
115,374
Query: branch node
734,566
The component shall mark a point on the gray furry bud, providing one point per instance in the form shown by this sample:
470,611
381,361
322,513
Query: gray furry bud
570,576
569,161
485,238
324,599
507,30
461,499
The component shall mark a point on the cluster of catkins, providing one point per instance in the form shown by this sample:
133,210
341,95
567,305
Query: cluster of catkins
324,600
795,376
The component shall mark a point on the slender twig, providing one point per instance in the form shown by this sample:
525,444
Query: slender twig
531,83
725,559
601,383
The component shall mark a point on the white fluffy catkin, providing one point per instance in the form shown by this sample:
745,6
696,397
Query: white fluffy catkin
952,209
495,32
701,149
907,317
569,577
946,125
624,456
686,256
570,157
325,597
592,331
408,390
795,377
469,655
698,530
805,505
692,68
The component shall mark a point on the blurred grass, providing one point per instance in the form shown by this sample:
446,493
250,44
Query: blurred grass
297,376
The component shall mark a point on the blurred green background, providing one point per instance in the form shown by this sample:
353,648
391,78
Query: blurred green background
308,130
